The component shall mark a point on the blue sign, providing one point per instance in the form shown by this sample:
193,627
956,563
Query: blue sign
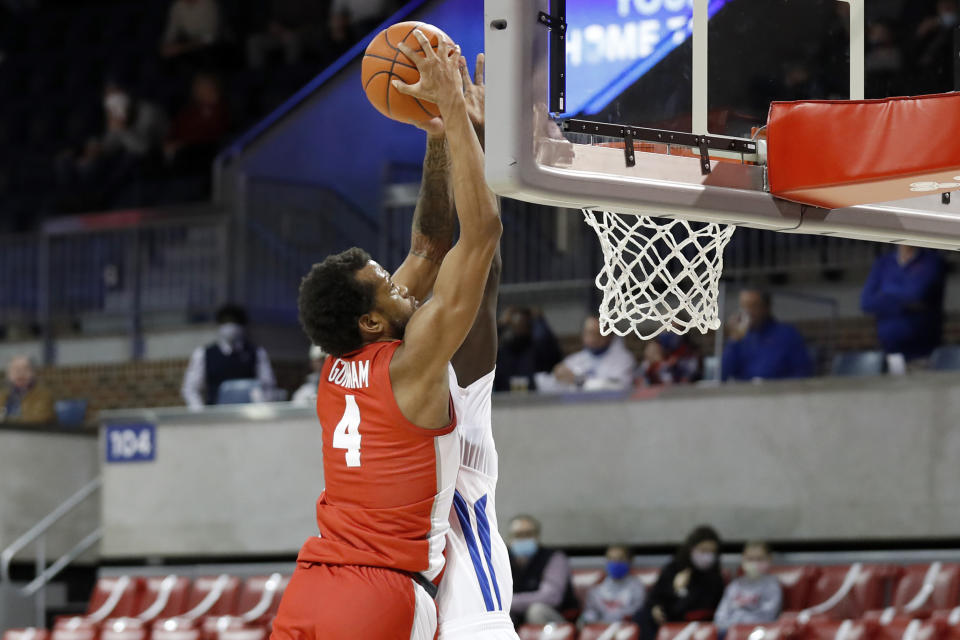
612,43
131,442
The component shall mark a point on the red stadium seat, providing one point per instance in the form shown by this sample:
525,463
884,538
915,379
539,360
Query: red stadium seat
776,631
950,616
585,579
29,633
840,630
565,631
179,628
687,631
213,596
124,629
796,583
648,576
923,588
244,633
615,631
114,598
906,628
847,591
74,628
163,597
257,604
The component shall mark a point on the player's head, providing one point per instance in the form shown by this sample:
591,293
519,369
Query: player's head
755,304
348,300
756,559
593,340
701,549
619,558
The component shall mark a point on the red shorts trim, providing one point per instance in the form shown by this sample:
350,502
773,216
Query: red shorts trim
348,602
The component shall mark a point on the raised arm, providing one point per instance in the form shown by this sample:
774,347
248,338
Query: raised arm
438,328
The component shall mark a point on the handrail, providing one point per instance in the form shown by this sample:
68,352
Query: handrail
163,597
62,562
41,527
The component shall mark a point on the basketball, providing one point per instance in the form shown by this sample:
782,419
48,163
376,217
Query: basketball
383,62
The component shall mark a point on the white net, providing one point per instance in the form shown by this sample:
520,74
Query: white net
658,274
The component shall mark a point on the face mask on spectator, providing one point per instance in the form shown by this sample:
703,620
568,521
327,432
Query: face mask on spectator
618,569
703,560
230,332
117,104
755,568
524,547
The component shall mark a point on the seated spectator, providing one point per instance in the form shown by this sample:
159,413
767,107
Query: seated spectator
527,346
24,399
295,25
542,591
905,293
604,363
620,596
760,346
134,132
306,395
689,587
669,359
231,357
193,29
754,598
199,128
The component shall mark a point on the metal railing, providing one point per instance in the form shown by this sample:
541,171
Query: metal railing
37,535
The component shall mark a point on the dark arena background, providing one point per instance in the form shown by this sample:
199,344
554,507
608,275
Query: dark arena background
170,170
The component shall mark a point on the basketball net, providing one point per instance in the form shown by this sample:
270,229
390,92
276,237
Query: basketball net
658,274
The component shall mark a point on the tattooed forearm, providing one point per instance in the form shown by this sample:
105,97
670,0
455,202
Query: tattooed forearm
435,217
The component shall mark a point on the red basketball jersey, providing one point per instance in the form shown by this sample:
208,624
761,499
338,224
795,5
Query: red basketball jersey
389,483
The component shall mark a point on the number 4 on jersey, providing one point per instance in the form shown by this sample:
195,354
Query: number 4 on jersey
347,434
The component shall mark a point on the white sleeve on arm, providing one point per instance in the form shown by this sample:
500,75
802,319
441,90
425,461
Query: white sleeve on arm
192,390
264,370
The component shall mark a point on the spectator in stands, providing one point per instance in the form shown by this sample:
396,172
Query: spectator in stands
135,129
306,395
542,591
199,128
294,26
760,346
754,598
689,587
905,293
669,359
231,357
620,596
24,399
604,363
193,29
527,346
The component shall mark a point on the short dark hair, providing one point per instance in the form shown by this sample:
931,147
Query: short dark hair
526,516
332,300
231,313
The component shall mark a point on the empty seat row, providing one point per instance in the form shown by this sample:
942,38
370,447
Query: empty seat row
844,591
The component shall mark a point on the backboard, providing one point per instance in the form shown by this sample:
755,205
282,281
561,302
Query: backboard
684,82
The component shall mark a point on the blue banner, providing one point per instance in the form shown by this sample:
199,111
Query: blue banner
612,43
131,442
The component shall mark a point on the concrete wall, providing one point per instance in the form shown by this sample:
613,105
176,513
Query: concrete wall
38,471
820,459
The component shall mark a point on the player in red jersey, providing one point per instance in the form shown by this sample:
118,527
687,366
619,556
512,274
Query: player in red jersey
390,451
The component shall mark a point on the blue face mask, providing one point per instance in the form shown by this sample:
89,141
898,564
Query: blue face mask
524,547
618,569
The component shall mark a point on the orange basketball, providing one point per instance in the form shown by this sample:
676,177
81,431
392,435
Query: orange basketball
383,61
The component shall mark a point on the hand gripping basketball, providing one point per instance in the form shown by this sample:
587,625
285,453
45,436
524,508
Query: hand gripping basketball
440,79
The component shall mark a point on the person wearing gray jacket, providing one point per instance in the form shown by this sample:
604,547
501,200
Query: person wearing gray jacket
754,598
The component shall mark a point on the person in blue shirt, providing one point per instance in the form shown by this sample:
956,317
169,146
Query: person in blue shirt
905,293
762,347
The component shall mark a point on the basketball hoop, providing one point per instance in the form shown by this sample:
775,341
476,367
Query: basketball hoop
658,274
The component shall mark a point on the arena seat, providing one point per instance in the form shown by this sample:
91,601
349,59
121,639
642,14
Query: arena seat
124,629
585,579
840,630
951,617
858,364
788,630
74,628
847,591
28,633
163,596
648,576
213,596
922,588
178,628
256,605
796,583
906,628
687,631
615,631
114,597
564,631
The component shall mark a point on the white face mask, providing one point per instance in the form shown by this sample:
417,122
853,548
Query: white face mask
703,560
230,332
755,568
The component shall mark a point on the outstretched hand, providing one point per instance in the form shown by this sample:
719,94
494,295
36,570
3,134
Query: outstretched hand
440,79
474,92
